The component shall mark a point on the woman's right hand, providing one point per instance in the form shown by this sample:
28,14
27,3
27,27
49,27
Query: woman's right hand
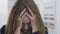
18,30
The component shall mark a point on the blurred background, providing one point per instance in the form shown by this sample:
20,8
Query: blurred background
49,10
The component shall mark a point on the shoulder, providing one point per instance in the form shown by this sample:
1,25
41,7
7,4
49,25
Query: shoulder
3,29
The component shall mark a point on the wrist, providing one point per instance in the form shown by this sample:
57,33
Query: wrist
34,29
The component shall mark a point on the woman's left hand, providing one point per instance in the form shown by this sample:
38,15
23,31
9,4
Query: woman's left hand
33,21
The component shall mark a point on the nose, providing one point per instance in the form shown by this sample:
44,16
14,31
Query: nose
26,26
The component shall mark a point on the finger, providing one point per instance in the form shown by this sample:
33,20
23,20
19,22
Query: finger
28,15
30,11
22,12
23,16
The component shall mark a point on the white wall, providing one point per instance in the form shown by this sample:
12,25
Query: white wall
3,12
5,9
58,16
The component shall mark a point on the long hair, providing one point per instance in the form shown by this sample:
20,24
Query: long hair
16,10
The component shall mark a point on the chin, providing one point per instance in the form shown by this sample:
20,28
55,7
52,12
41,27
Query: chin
26,30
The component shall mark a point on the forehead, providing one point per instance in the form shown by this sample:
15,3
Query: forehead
26,20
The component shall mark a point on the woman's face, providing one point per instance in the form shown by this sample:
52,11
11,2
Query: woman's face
26,24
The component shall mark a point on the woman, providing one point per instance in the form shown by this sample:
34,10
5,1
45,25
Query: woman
25,19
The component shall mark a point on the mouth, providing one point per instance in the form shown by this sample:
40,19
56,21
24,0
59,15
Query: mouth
26,30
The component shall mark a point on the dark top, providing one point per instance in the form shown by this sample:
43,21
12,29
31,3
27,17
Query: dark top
3,30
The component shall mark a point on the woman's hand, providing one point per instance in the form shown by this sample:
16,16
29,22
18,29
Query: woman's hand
18,30
33,21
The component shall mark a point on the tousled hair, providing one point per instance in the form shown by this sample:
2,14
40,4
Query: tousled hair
15,12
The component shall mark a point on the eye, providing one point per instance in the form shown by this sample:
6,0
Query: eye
23,23
29,23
